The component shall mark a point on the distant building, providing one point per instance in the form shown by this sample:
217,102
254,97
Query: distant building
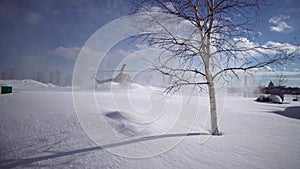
281,90
271,85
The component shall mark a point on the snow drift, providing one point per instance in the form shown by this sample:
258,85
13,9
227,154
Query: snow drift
269,98
28,84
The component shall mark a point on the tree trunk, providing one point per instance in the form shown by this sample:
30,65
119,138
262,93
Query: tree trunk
212,98
213,108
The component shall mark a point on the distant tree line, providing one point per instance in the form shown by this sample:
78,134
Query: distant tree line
10,74
280,89
55,77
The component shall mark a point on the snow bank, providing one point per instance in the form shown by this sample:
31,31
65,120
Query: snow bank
32,85
269,98
275,99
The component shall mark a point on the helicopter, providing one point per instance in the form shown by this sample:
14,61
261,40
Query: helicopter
121,78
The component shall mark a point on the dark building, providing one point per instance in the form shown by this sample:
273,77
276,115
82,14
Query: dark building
281,90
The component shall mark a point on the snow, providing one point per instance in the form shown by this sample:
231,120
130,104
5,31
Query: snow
41,129
269,98
28,84
275,99
262,97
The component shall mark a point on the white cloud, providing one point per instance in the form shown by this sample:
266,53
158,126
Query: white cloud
286,73
243,42
269,48
268,68
69,53
283,46
280,24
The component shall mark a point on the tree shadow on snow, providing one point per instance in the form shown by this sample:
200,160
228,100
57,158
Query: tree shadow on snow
291,112
28,161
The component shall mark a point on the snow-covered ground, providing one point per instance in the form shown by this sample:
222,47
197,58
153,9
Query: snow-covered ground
32,85
41,129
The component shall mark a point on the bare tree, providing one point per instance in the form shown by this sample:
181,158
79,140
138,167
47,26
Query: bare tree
68,80
52,78
3,76
40,77
58,77
210,37
12,73
281,79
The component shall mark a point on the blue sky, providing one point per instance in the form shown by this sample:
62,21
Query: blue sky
45,36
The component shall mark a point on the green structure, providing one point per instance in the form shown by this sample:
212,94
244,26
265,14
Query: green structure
6,89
